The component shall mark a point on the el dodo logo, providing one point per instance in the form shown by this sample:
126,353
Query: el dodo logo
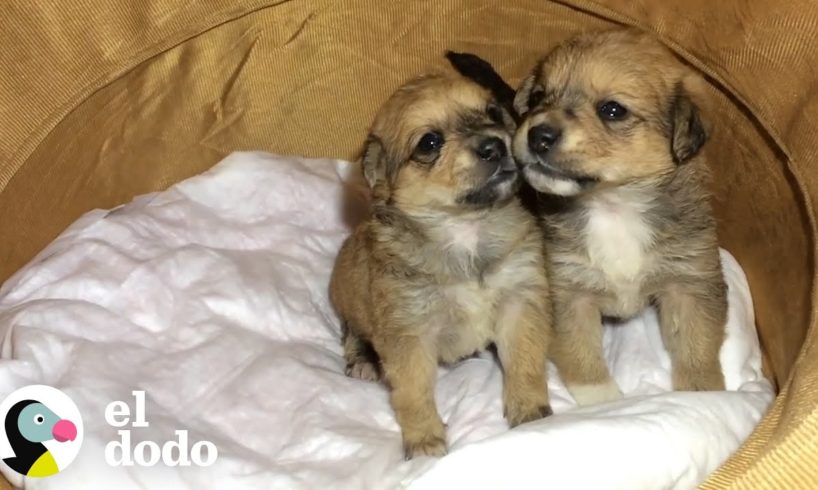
42,431
176,452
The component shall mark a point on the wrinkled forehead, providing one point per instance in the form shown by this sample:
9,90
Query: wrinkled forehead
628,71
432,104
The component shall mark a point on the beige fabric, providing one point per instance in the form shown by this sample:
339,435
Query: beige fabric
104,100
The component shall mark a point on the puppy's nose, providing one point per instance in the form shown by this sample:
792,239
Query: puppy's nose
491,149
541,138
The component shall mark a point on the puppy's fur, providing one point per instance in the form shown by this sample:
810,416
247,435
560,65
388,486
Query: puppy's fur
610,126
448,262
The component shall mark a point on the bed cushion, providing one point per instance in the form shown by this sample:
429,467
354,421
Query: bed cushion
212,298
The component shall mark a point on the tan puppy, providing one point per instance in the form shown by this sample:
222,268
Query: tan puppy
448,262
609,125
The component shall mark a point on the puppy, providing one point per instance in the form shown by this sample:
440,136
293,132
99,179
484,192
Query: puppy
609,126
448,262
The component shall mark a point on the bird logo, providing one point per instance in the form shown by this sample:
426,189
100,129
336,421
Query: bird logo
41,431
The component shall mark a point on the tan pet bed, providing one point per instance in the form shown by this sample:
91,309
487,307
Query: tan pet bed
105,100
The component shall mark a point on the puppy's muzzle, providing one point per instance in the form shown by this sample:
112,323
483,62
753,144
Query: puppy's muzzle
536,149
542,138
497,175
493,151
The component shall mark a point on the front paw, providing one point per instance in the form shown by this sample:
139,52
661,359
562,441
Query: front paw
525,404
698,380
430,445
592,394
517,415
363,370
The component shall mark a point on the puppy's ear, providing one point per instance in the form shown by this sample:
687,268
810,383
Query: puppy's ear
373,161
687,132
523,95
480,71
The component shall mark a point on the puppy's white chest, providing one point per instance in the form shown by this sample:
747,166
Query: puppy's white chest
462,236
467,321
469,299
617,240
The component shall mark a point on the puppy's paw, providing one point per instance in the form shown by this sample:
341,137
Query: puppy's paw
431,445
362,369
521,405
592,394
698,380
519,415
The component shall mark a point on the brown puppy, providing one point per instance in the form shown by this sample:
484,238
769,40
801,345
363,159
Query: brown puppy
448,262
609,125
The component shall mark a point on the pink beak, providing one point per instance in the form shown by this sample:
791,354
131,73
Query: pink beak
64,430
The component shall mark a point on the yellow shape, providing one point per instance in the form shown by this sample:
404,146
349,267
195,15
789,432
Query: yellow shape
44,466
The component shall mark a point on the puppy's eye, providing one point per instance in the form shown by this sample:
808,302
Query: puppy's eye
536,98
610,110
428,148
430,143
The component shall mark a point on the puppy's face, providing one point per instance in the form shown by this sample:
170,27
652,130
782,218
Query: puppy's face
605,109
441,142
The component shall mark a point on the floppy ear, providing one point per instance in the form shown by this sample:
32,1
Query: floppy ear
687,133
480,71
373,161
523,95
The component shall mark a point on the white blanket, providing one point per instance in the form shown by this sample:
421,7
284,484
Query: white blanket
212,298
